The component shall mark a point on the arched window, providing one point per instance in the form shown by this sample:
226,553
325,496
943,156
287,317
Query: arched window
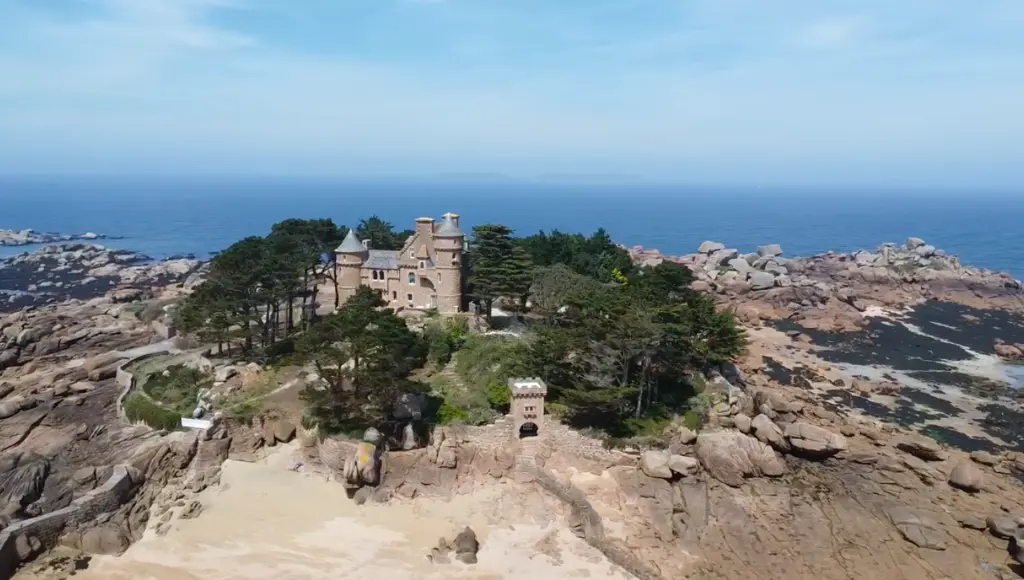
374,274
412,277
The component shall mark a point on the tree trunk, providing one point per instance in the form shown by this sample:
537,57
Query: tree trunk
290,316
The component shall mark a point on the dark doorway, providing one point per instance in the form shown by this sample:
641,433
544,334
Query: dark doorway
528,430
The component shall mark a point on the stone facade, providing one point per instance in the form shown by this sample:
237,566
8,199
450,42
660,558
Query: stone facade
527,406
426,273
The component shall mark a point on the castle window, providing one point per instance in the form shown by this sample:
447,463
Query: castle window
408,297
374,274
422,265
412,277
394,294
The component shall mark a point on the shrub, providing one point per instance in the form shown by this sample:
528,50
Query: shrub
177,387
140,409
444,337
448,413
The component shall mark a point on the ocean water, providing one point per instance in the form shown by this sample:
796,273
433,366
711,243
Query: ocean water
167,216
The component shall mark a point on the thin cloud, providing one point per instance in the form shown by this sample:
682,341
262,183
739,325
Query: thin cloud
833,33
704,91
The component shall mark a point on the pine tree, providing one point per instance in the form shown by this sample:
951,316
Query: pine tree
501,267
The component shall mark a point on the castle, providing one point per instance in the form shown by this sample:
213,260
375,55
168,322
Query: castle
426,273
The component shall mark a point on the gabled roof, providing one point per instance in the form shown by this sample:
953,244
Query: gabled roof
382,260
351,244
448,229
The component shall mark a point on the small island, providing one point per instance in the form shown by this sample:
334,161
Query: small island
31,237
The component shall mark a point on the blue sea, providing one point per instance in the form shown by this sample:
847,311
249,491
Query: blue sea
161,217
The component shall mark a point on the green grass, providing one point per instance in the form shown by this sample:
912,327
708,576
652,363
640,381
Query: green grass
177,387
240,404
139,409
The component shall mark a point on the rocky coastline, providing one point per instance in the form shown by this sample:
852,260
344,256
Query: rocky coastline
31,237
58,273
905,333
873,429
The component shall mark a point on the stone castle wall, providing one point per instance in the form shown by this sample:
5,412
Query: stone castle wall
48,528
126,380
553,434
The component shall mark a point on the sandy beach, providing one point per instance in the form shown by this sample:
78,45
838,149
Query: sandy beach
266,522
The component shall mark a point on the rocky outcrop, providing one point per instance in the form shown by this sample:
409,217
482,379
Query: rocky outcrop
833,288
731,456
59,273
25,539
29,237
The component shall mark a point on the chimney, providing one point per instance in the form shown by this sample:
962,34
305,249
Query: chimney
424,228
452,216
366,244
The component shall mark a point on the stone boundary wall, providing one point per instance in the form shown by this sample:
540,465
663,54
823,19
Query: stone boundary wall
48,528
589,520
126,380
555,434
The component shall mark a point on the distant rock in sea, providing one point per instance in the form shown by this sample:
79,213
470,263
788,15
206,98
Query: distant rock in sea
30,237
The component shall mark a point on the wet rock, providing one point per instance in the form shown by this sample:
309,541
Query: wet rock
466,546
192,510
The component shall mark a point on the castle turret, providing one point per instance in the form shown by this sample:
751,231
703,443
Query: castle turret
449,242
350,256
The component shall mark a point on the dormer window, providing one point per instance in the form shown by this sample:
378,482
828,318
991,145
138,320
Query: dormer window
412,255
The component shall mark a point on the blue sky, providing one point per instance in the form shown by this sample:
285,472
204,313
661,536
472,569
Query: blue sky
709,91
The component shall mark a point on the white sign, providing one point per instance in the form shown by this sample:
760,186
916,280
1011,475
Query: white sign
196,423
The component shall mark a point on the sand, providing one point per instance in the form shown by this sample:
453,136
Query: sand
267,522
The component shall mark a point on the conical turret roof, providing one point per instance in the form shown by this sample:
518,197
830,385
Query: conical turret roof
351,244
448,229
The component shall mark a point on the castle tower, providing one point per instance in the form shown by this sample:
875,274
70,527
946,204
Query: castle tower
350,256
449,242
527,406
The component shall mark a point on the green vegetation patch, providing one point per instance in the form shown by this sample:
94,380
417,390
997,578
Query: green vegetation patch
177,387
140,409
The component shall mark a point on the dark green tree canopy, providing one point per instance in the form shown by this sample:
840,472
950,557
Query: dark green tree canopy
381,234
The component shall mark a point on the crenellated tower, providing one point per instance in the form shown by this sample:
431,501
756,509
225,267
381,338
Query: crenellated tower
449,243
350,257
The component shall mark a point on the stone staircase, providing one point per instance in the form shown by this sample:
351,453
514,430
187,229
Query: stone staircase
526,460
